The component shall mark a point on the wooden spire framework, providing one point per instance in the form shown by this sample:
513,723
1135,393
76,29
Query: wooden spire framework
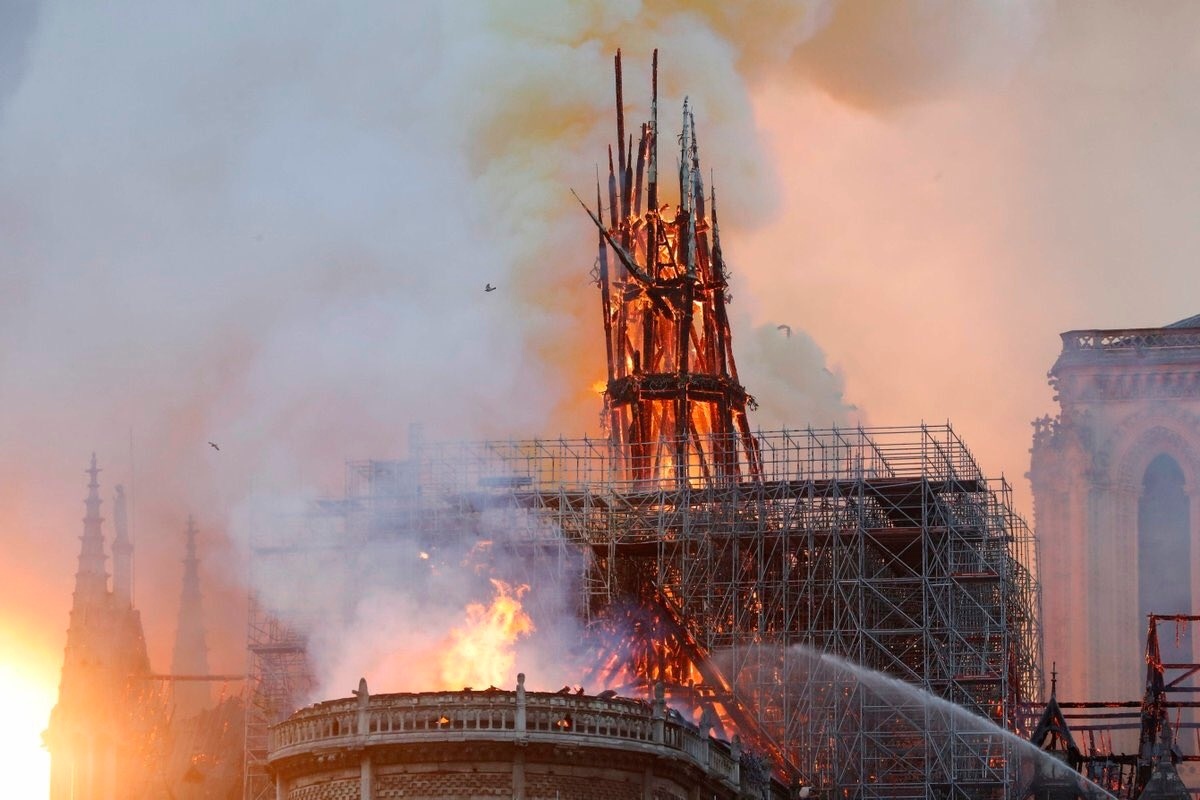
675,408
714,553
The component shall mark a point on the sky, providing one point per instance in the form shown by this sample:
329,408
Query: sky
269,226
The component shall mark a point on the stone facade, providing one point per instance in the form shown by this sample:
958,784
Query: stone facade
503,744
1129,409
105,719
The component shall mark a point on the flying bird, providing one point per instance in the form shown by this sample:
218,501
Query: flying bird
787,330
487,287
213,445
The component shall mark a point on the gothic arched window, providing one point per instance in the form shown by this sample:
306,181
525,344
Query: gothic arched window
1164,549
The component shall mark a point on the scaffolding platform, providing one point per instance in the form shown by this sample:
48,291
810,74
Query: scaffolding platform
887,547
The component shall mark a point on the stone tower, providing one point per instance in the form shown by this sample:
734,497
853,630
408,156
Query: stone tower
103,721
190,657
1113,478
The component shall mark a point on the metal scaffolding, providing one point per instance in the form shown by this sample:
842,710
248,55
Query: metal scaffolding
885,546
726,565
1144,748
289,551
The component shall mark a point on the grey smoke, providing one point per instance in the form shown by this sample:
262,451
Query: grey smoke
788,377
266,225
18,22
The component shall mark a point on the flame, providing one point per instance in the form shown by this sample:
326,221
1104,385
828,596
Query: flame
483,651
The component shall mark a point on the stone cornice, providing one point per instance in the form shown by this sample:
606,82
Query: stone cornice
1127,364
1127,382
1129,345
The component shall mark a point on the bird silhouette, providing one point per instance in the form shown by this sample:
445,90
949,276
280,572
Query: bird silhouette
487,287
213,445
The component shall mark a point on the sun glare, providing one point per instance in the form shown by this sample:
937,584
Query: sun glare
27,698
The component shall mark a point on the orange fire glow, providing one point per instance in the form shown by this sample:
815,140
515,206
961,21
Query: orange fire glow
27,689
482,652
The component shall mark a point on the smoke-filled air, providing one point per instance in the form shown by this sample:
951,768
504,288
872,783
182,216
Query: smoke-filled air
244,243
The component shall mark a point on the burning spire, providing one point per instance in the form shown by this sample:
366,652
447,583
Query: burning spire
675,409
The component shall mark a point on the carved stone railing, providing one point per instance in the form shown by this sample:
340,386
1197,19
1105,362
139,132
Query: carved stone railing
1133,340
495,715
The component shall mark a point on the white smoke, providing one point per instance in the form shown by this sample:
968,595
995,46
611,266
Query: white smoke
270,226
882,57
787,374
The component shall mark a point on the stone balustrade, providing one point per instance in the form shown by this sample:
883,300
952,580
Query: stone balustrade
493,714
1131,339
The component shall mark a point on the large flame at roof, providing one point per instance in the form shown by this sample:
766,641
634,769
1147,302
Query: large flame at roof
482,651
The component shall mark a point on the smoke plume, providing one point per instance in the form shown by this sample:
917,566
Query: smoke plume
270,225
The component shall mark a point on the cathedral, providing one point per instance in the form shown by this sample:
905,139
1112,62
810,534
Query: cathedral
119,731
1113,475
107,715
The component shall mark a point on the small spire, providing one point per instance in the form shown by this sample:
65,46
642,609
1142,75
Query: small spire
685,166
191,650
1053,678
718,261
652,167
93,471
190,535
122,550
91,579
697,174
612,194
620,114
